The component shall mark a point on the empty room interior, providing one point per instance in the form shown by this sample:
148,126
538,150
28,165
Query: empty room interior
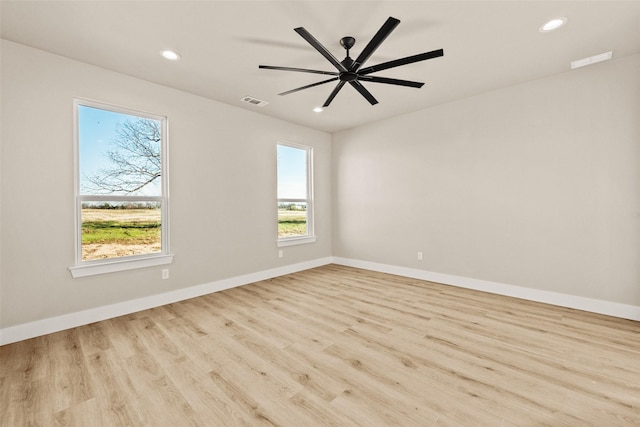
309,213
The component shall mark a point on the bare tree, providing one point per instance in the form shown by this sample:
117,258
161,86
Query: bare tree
135,159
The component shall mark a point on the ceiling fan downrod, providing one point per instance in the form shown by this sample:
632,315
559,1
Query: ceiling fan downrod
347,43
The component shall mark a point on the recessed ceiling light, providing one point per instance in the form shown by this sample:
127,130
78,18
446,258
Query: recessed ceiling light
170,55
317,110
553,24
591,60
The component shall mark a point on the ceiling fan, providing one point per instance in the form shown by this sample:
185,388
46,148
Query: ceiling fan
350,71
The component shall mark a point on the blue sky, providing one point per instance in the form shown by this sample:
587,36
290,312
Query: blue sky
292,173
97,128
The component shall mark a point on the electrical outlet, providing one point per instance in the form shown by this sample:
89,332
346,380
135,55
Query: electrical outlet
165,273
420,256
280,253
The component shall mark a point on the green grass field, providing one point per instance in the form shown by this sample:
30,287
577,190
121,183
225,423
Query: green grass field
291,223
108,233
142,227
138,232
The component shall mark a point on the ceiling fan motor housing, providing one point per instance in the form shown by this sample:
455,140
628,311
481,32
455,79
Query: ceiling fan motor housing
348,76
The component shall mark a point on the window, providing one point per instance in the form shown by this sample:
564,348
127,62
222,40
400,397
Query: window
295,195
121,189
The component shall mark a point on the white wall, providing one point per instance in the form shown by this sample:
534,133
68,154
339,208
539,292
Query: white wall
222,185
535,185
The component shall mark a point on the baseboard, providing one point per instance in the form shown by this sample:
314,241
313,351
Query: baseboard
608,308
66,321
59,323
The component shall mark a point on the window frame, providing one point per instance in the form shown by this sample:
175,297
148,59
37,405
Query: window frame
93,267
310,237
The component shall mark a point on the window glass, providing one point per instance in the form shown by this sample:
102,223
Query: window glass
292,219
292,172
121,199
120,154
295,203
112,229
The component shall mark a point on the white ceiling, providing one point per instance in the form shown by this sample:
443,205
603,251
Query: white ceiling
487,45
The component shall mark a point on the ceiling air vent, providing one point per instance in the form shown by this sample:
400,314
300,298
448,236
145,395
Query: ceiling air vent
254,101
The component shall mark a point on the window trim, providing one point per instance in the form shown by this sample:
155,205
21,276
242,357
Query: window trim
310,237
89,268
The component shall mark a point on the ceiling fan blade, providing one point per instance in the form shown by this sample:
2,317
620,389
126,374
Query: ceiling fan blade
376,79
375,42
364,92
300,70
333,93
317,46
308,86
402,61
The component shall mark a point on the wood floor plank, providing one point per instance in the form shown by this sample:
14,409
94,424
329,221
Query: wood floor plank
309,376
162,402
204,396
69,376
334,346
107,383
465,399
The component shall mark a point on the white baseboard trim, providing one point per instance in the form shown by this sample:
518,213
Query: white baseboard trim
608,308
37,328
66,321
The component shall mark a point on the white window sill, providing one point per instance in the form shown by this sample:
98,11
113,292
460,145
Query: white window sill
296,241
119,265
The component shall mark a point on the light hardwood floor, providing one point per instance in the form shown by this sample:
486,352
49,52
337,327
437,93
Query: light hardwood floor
331,346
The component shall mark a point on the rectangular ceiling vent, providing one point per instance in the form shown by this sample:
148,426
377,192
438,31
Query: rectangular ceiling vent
592,60
254,101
